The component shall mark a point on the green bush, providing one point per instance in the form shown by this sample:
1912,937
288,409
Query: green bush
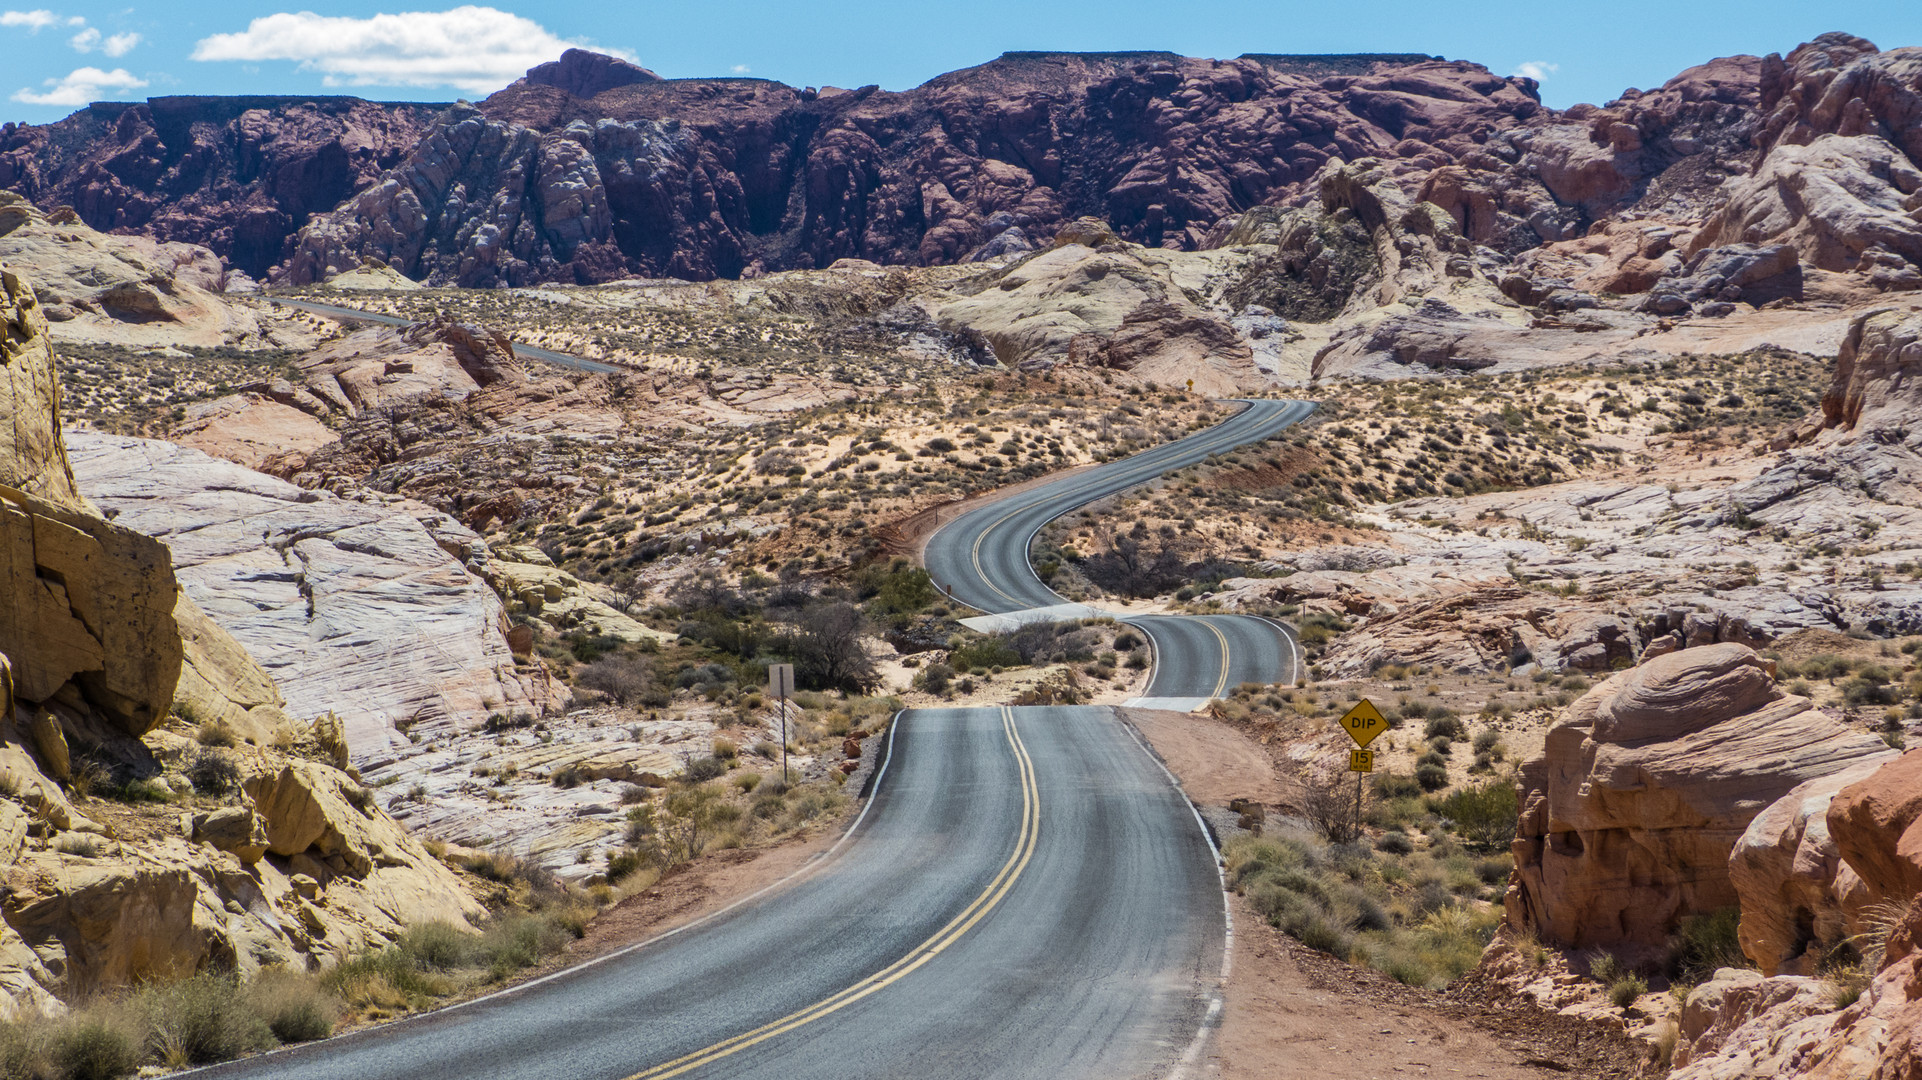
623,865
1484,814
1703,943
703,769
985,653
1396,786
1444,724
1626,990
1604,968
1431,776
435,946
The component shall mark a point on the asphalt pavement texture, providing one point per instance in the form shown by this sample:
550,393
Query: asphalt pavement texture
1026,896
981,559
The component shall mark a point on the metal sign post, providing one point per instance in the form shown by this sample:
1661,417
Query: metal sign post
1362,723
780,682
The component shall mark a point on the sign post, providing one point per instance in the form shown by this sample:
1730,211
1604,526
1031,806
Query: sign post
1362,723
780,683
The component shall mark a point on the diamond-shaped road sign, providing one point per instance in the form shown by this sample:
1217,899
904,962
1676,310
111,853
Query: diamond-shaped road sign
1363,722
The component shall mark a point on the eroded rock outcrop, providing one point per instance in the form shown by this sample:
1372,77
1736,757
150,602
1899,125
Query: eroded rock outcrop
1643,790
353,607
126,290
102,659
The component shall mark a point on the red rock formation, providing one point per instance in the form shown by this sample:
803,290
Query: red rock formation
236,174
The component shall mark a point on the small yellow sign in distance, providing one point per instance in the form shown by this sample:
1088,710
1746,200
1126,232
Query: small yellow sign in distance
1363,722
1361,761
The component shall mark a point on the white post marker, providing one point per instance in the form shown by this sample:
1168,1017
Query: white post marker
780,683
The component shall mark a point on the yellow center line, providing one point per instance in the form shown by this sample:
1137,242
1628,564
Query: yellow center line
1222,683
956,928
981,571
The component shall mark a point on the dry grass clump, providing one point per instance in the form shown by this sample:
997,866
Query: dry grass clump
200,1020
1417,917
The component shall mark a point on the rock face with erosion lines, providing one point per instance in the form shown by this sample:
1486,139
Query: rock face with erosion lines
1642,791
354,607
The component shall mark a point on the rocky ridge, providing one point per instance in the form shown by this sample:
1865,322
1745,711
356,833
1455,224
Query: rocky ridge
280,858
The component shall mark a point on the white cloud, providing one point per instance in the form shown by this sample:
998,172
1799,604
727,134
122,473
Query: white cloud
89,39
476,49
37,20
81,86
741,69
1535,69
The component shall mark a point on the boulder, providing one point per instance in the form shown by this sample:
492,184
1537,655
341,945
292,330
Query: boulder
1876,827
1631,813
1795,890
235,829
1831,201
1875,387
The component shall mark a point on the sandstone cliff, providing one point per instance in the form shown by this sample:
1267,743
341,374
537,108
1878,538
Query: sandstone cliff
276,859
1629,817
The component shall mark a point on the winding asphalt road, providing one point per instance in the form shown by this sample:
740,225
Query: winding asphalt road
981,559
1027,895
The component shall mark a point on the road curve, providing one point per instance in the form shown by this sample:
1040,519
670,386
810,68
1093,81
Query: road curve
1026,896
981,559
526,352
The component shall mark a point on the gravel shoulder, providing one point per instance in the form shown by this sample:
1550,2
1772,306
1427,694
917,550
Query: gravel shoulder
1290,1011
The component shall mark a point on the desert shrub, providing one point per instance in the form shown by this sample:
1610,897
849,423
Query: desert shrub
567,776
1485,740
21,1051
93,1046
701,770
746,782
988,652
518,941
726,749
1445,725
623,678
293,1004
1484,814
904,588
216,734
622,866
1395,843
211,771
828,647
1604,968
1703,943
935,678
1442,946
1626,990
1431,776
435,946
201,1020
1396,786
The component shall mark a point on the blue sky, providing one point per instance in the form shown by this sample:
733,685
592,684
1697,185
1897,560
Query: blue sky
62,55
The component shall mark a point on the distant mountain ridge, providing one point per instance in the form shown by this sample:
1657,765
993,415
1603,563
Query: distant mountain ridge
592,168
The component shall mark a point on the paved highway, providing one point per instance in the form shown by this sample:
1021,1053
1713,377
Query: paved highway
526,352
981,557
1026,896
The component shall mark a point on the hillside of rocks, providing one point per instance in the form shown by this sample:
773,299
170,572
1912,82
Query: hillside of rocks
235,837
1745,175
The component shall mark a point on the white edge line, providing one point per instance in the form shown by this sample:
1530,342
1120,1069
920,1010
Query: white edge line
1211,1019
1294,651
814,863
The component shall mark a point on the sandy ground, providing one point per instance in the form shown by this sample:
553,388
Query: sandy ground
1216,763
1282,1020
1290,1012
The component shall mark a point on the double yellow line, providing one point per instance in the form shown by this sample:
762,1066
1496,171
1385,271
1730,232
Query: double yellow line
981,571
957,927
